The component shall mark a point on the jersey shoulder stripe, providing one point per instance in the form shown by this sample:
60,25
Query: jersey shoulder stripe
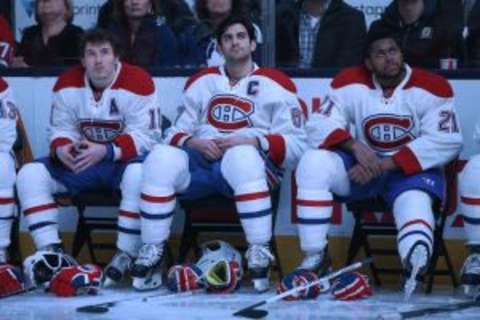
431,82
71,78
277,76
135,80
353,75
200,74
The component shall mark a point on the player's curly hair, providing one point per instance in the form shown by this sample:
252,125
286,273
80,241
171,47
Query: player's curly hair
98,35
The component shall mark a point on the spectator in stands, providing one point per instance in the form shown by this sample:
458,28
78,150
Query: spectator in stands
210,14
145,38
472,22
54,40
319,33
7,43
427,29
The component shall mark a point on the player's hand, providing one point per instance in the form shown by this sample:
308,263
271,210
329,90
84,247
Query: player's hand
225,143
207,147
359,174
89,153
66,154
367,159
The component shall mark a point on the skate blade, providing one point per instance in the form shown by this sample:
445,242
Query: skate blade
148,283
471,290
261,285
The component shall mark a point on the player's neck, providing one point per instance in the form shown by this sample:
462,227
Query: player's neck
238,70
389,84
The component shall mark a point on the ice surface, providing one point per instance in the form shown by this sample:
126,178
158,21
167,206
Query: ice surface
38,305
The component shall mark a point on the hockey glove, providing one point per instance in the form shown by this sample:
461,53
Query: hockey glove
351,286
187,277
297,278
223,277
76,280
11,280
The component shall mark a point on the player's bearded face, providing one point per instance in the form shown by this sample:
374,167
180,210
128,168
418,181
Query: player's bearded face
385,59
100,62
236,45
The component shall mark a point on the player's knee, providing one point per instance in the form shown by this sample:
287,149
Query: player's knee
132,180
33,178
165,165
7,171
316,169
468,180
242,164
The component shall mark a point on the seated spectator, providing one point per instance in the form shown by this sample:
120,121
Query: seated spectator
176,12
7,43
472,19
427,29
54,40
210,14
145,38
319,34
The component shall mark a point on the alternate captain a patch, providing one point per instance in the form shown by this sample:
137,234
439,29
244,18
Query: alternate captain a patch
388,132
229,113
113,108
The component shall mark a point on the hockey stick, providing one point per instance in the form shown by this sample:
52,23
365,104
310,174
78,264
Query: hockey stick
252,313
431,310
104,307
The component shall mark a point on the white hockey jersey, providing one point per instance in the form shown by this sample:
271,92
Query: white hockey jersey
264,104
127,114
417,124
8,117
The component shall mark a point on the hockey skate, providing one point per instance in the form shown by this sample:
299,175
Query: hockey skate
259,260
416,265
318,262
117,268
146,271
470,275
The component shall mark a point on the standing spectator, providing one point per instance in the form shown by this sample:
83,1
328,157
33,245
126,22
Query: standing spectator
428,30
145,37
54,40
319,33
472,22
7,43
211,13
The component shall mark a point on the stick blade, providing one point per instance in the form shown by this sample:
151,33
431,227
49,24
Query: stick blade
92,309
251,313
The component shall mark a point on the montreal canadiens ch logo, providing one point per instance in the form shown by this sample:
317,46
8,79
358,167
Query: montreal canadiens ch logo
229,113
388,132
101,131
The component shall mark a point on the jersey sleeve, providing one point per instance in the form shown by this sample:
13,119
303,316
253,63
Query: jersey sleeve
439,141
63,128
142,120
7,43
187,120
8,116
329,126
287,138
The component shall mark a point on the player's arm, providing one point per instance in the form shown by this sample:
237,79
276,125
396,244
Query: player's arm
8,116
143,125
7,44
330,128
188,119
440,139
63,132
286,141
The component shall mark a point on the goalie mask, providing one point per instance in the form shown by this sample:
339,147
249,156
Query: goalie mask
221,266
40,267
